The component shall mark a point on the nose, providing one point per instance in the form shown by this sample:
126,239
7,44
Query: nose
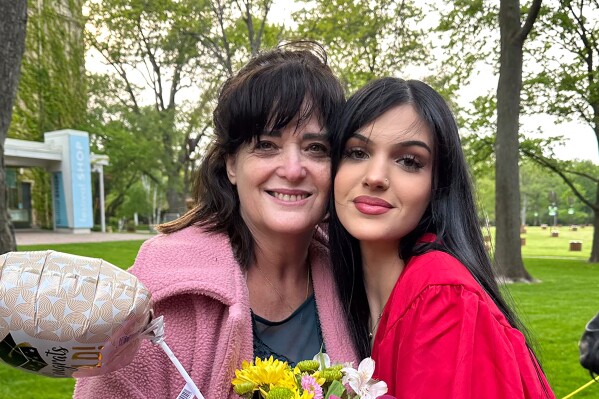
292,165
375,177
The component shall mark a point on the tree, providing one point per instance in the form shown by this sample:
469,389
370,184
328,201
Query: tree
366,40
13,22
567,87
472,26
508,253
168,59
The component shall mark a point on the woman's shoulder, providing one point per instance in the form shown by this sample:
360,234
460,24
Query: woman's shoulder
190,243
192,237
436,268
187,258
437,274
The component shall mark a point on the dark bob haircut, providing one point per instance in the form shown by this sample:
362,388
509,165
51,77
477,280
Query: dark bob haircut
277,87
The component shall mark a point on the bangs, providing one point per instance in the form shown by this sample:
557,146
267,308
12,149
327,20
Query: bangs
275,96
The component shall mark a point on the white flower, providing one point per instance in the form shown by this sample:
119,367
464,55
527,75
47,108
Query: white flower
323,360
361,381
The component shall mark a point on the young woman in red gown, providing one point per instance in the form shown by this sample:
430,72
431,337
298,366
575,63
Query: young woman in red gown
409,256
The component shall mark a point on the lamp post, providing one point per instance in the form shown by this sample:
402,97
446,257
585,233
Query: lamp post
553,212
553,207
98,162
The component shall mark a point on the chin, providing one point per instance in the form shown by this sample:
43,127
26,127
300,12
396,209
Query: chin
371,238
372,234
291,228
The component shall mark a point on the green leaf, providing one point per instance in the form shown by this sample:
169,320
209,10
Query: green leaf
336,388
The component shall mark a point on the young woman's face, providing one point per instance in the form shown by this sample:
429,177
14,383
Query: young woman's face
383,184
283,179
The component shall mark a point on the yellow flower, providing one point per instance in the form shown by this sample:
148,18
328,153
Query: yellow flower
320,379
304,395
269,372
286,393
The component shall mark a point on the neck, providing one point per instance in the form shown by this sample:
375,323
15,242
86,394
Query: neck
280,248
382,266
278,280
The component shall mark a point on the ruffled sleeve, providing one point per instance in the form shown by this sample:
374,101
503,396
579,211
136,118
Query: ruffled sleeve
450,342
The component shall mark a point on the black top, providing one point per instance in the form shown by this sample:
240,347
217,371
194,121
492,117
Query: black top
296,338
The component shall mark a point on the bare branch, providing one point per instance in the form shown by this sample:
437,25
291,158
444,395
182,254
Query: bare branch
554,168
582,113
533,13
158,91
585,175
220,14
175,87
128,86
262,25
118,67
584,36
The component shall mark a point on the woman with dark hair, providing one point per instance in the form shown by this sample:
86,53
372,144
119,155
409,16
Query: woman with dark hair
409,257
245,273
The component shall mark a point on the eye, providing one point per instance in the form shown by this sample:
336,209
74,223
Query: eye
410,163
264,145
318,149
355,153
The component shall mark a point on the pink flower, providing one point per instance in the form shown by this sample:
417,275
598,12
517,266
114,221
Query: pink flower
310,385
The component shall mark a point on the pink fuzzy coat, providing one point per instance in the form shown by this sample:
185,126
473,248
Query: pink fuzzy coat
199,288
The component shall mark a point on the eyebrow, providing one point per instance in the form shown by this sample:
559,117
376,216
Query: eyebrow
323,135
408,143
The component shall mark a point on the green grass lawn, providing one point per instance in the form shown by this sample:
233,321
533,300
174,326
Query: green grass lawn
119,253
539,243
556,309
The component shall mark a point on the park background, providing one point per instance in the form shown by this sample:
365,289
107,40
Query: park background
141,76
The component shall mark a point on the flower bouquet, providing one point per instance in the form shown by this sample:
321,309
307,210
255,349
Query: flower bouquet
309,379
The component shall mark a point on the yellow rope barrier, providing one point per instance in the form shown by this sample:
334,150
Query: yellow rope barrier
588,384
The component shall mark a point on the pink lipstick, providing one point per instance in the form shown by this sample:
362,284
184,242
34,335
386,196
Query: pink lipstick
371,205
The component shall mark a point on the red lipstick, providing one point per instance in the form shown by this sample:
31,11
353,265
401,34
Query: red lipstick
371,205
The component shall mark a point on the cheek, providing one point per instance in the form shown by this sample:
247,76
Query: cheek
423,199
342,182
322,177
339,186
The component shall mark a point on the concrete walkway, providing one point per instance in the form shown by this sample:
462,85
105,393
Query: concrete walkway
38,237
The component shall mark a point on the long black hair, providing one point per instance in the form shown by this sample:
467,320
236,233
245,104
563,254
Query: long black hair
451,213
275,87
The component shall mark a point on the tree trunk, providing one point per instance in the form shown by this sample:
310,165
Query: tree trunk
174,197
508,253
13,21
595,248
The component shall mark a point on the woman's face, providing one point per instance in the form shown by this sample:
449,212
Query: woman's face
283,179
383,184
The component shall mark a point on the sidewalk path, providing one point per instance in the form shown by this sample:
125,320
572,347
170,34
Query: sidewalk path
37,237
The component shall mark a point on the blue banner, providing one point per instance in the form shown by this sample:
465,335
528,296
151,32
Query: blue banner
81,181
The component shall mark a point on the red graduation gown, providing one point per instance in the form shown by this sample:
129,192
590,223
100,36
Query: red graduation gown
441,336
